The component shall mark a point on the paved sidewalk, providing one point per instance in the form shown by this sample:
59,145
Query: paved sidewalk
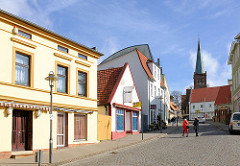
221,126
65,155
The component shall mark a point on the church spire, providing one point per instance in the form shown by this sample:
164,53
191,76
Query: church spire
199,64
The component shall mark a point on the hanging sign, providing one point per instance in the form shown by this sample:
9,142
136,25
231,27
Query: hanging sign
137,104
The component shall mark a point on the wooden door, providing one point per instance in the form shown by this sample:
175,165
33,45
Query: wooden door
18,130
61,129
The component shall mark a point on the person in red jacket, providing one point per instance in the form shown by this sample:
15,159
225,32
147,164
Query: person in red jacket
185,127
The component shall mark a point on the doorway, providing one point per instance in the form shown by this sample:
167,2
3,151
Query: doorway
21,130
62,130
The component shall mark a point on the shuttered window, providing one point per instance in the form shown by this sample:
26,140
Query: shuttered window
80,124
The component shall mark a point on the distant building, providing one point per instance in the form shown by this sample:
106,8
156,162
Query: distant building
204,101
200,76
199,79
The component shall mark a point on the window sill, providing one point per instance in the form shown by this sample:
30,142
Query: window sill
79,140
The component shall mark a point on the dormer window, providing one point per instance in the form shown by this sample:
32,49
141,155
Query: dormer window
61,48
82,56
24,34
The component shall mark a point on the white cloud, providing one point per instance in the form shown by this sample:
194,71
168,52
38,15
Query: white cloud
110,46
217,74
35,11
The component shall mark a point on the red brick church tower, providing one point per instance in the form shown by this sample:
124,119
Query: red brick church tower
200,76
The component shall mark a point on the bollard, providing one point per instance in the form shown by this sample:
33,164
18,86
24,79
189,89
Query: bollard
36,157
39,157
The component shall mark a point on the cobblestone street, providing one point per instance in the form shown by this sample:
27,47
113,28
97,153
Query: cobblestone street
212,147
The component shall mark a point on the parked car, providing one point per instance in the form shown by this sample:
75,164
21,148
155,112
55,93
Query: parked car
234,124
201,119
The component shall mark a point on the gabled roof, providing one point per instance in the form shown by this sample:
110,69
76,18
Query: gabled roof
143,59
224,95
174,106
107,82
204,94
144,48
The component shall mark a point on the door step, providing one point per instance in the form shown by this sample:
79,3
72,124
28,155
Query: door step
19,154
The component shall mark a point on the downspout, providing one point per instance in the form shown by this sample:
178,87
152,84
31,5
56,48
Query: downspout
149,104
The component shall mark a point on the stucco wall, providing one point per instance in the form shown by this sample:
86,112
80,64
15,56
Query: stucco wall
42,49
5,130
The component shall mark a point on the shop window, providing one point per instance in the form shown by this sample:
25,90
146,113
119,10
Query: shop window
80,125
120,120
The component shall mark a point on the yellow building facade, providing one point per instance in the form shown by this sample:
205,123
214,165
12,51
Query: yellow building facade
28,53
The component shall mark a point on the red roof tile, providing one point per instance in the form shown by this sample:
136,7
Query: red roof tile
162,84
174,106
106,82
143,59
204,94
224,95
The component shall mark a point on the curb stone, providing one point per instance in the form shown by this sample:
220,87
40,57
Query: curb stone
160,135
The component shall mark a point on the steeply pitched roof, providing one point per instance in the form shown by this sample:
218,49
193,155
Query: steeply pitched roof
199,64
174,106
162,84
219,94
143,59
204,94
224,95
144,48
107,82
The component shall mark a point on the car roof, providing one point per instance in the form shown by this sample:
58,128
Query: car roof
236,113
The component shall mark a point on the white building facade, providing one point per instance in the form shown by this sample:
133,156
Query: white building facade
202,109
147,78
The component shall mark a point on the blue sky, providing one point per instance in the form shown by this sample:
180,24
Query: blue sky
170,27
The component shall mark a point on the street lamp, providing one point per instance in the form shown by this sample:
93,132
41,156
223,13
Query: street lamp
160,98
51,78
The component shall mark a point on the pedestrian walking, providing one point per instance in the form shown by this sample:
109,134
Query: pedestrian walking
196,126
173,120
185,127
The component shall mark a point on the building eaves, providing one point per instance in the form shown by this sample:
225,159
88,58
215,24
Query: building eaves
144,48
46,30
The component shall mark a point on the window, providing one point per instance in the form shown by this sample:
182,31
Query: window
158,75
24,34
82,84
135,121
159,92
62,79
120,120
210,105
201,106
82,56
22,69
80,124
62,49
151,89
193,106
155,91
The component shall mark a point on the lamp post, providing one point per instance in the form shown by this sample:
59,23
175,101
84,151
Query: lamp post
51,78
160,98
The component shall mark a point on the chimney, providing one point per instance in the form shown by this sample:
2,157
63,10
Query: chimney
158,62
95,48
